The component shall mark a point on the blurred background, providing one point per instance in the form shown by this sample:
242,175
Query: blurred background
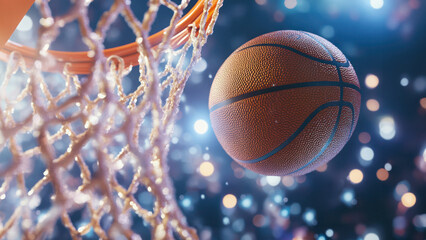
373,189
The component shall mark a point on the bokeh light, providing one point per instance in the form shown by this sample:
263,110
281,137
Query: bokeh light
423,102
371,236
376,4
419,84
201,126
261,2
387,128
367,153
259,220
364,137
246,201
404,82
355,176
399,223
322,168
288,181
382,174
309,217
186,202
348,197
371,81
278,16
321,237
327,31
373,105
200,65
408,199
388,167
424,154
273,180
329,233
229,201
26,24
290,4
295,209
206,169
420,221
401,188
285,212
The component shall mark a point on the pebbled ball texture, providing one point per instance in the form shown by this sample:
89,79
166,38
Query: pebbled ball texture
284,103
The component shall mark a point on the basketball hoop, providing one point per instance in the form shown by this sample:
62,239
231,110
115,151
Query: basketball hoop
81,62
78,141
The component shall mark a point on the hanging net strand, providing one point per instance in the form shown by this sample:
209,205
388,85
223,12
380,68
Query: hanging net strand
84,143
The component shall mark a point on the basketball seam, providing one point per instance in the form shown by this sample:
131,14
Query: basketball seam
330,139
298,131
327,144
282,88
333,62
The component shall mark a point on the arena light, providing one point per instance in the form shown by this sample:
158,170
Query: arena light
377,4
387,128
273,180
201,126
25,25
290,4
371,236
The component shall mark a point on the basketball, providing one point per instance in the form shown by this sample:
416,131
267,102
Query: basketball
284,103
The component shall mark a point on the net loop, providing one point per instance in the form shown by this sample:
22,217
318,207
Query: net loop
83,144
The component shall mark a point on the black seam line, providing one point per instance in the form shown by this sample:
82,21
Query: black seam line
339,72
298,131
281,88
322,45
333,62
327,144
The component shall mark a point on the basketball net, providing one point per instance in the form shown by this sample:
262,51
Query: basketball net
90,144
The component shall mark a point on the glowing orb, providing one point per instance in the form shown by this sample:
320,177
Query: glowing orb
290,4
408,199
25,25
367,153
387,128
356,176
371,81
371,236
373,105
273,180
376,4
382,174
206,169
201,126
229,201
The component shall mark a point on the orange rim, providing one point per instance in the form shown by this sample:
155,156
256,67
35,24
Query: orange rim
80,63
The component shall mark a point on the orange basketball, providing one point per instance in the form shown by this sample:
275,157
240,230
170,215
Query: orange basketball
285,103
